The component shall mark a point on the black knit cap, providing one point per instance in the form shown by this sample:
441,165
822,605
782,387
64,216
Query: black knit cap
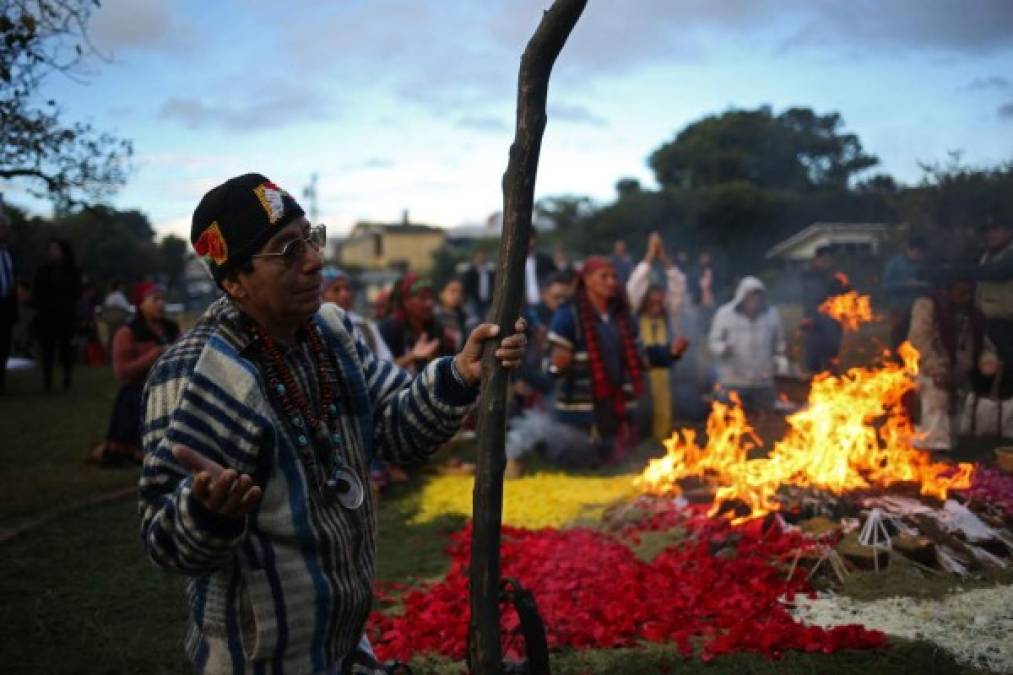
234,220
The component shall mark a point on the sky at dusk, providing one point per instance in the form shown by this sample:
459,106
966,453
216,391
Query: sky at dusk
401,104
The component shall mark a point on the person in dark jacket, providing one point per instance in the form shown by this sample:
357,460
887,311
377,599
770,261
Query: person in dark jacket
449,312
903,283
824,334
994,296
478,283
538,267
55,292
8,295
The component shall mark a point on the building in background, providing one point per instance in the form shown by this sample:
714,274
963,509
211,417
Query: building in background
381,246
843,238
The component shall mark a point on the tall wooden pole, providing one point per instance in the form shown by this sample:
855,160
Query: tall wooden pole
518,203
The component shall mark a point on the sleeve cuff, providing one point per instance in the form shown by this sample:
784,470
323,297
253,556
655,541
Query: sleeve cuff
450,385
660,356
225,528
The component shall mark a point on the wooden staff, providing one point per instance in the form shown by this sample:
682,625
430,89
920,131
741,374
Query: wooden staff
518,202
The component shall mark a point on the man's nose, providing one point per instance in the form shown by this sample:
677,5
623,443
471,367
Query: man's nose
313,260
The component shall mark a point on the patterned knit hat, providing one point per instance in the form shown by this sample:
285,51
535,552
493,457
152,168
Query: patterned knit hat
234,220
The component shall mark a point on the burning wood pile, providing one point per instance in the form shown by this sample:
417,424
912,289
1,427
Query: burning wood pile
846,472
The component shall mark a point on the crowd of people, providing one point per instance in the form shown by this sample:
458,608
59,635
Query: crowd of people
960,319
606,336
619,348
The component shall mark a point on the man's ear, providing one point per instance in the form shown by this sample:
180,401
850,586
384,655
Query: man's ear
234,287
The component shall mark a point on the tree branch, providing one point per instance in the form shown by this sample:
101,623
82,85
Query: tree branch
518,202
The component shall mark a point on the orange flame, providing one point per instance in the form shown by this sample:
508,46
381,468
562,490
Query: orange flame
852,434
850,309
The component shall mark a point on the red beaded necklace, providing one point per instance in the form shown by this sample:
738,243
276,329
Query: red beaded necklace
285,388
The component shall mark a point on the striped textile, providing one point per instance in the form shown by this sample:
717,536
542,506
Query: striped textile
288,588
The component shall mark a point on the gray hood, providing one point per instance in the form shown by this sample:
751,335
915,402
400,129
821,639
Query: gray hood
747,286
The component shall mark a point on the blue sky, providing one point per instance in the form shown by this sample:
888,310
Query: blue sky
408,104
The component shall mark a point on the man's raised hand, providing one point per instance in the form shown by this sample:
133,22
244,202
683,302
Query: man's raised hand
219,490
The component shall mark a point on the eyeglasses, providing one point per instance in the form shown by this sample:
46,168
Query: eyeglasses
294,251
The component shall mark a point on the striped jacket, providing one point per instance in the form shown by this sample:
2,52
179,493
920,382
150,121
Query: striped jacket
287,589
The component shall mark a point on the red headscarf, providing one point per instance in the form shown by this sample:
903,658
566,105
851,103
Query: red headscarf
143,290
618,308
405,287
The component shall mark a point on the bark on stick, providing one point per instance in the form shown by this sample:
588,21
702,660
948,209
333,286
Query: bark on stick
518,202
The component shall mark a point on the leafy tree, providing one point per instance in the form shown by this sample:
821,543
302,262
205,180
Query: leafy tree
953,201
71,163
172,253
632,217
109,244
627,187
569,215
796,150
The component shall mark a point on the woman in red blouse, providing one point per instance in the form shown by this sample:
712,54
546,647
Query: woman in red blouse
136,347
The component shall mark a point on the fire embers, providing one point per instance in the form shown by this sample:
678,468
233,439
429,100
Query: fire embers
849,309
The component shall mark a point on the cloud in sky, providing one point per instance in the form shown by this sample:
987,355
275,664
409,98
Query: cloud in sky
940,25
994,82
576,114
377,163
270,106
463,54
120,25
380,95
485,123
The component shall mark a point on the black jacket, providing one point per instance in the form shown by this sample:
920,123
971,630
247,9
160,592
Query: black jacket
470,282
9,305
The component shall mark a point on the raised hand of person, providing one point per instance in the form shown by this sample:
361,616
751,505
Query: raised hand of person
989,365
561,358
219,490
425,348
655,248
679,346
509,354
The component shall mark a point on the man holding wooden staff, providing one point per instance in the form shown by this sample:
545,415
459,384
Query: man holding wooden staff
259,427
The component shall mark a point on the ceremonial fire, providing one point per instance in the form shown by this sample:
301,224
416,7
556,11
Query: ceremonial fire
853,433
850,309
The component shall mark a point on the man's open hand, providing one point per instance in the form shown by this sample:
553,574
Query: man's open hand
219,490
509,354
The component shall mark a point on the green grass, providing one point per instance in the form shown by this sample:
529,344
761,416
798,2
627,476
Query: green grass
78,596
46,439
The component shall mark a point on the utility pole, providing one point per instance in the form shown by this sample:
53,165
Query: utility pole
309,193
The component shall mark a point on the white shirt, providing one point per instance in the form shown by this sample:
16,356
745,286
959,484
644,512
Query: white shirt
117,299
483,283
531,293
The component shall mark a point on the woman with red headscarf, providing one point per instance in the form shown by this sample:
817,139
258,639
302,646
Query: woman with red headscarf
136,347
411,331
599,361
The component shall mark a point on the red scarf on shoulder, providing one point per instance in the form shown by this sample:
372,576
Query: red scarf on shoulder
619,311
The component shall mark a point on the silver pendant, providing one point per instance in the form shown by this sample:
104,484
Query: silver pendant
346,487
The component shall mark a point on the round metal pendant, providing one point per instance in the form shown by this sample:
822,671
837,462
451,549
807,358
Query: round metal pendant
346,487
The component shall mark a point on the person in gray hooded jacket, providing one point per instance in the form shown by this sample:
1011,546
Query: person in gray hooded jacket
748,344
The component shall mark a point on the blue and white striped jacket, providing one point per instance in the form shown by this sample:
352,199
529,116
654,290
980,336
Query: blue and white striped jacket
287,589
